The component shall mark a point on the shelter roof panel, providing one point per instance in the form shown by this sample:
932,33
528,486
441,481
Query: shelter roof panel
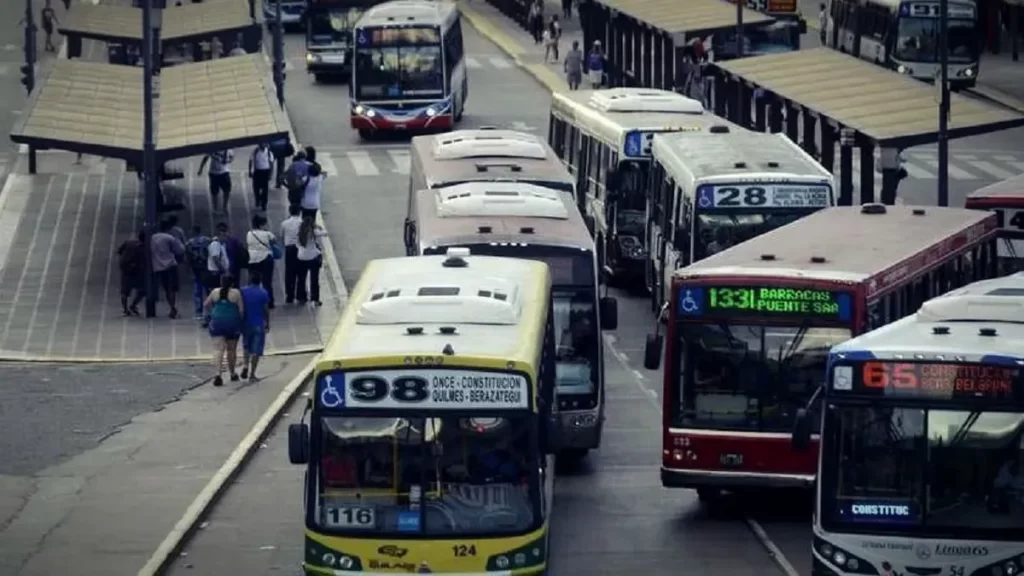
89,103
883,105
682,16
204,18
103,22
222,100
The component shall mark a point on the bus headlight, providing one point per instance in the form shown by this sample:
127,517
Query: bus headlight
502,562
328,559
904,70
345,562
966,72
312,58
364,111
431,112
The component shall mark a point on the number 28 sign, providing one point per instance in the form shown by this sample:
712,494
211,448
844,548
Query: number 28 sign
424,389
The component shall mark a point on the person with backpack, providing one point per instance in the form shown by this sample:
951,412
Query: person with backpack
282,150
197,256
131,260
264,249
295,178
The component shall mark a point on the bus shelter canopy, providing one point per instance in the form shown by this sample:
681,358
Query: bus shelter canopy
123,24
104,23
886,107
97,109
683,17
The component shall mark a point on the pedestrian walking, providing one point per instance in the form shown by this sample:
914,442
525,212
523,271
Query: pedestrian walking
49,18
535,21
256,303
822,23
238,255
310,255
574,66
261,166
264,249
311,196
217,263
165,250
131,260
567,9
552,34
197,256
595,65
238,49
296,176
175,229
290,238
220,177
67,4
226,313
282,150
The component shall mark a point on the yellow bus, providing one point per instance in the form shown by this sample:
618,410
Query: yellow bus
430,434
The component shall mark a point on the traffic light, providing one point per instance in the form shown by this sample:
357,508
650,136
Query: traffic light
28,77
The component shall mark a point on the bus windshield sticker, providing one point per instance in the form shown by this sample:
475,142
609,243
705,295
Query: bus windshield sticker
940,380
330,396
721,301
730,196
435,390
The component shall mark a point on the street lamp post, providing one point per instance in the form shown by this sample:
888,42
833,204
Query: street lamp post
943,80
148,160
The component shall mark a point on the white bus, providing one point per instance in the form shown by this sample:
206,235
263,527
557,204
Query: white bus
903,35
1006,199
521,220
922,441
292,12
711,190
409,72
604,137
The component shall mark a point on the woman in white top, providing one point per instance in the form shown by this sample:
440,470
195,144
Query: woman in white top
311,260
260,243
314,187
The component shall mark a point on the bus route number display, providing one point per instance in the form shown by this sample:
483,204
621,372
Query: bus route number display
397,36
938,379
724,197
424,389
764,301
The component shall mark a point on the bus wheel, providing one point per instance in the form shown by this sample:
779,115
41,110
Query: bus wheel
365,134
707,495
655,289
318,78
573,456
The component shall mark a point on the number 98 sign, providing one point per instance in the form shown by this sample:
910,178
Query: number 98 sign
370,389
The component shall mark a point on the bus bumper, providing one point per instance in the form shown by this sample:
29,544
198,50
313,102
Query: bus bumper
581,430
381,122
674,478
328,68
320,571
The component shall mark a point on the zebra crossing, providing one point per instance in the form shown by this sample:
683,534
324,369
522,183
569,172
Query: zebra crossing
963,166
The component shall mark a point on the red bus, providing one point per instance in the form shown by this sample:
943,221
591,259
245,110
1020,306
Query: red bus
1006,199
749,330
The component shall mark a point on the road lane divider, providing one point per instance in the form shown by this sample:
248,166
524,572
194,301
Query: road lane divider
172,544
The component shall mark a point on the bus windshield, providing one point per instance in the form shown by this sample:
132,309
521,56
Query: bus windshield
718,231
409,71
577,341
631,199
332,25
430,476
929,472
918,40
748,377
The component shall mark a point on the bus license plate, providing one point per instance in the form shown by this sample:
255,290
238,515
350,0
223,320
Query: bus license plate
731,459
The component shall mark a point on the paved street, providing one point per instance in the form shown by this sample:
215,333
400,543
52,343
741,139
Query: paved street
98,463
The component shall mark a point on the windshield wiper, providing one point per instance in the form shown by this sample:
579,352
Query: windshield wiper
961,433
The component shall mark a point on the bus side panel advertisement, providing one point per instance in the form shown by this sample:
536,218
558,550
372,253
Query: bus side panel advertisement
933,380
421,389
724,301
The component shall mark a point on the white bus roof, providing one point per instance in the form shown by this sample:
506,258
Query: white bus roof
408,13
1010,190
611,113
876,245
489,301
980,319
719,154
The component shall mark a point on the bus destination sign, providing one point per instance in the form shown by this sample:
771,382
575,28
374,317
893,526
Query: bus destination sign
745,196
424,389
939,380
810,303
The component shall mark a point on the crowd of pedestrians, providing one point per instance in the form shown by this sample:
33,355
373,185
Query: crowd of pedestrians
216,262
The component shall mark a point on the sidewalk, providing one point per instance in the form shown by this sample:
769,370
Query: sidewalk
107,511
1002,80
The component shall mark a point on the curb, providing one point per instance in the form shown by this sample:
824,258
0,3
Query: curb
36,359
217,486
545,77
998,97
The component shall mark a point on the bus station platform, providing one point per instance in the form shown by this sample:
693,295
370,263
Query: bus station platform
178,25
826,90
643,39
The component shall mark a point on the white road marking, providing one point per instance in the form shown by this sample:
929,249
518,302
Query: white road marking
401,160
1011,161
473,63
954,172
327,163
362,163
991,169
915,171
500,63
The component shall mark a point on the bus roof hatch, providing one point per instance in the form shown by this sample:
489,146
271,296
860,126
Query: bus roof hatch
998,300
644,100
488,143
500,200
475,299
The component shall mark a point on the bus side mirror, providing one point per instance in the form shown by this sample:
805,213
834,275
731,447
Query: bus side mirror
591,224
609,313
298,443
552,435
410,237
652,351
801,440
611,181
681,239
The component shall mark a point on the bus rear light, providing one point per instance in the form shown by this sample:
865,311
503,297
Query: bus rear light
681,456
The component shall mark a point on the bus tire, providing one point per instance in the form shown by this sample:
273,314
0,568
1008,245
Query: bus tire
318,78
655,290
365,134
573,456
707,496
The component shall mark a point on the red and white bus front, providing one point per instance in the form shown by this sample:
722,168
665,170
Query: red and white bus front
742,356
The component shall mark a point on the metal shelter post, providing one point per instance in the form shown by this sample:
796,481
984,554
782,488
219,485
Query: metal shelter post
28,71
943,81
278,53
148,151
846,138
739,43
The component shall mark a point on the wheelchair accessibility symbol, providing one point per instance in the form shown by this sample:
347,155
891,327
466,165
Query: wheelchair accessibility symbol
691,301
329,395
707,198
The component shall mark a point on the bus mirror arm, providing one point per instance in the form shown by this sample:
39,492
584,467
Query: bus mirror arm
552,434
609,312
298,437
801,439
655,342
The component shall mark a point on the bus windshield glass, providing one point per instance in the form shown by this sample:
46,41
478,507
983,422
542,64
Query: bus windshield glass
439,476
631,201
918,39
926,472
405,65
722,230
332,25
577,341
747,377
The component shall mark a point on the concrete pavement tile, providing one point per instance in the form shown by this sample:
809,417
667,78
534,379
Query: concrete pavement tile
14,494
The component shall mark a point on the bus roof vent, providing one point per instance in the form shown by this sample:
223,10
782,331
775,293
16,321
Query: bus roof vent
483,167
456,258
818,260
873,209
918,212
941,330
476,299
768,257
739,165
1003,305
644,100
500,200
772,164
488,143
719,129
987,332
